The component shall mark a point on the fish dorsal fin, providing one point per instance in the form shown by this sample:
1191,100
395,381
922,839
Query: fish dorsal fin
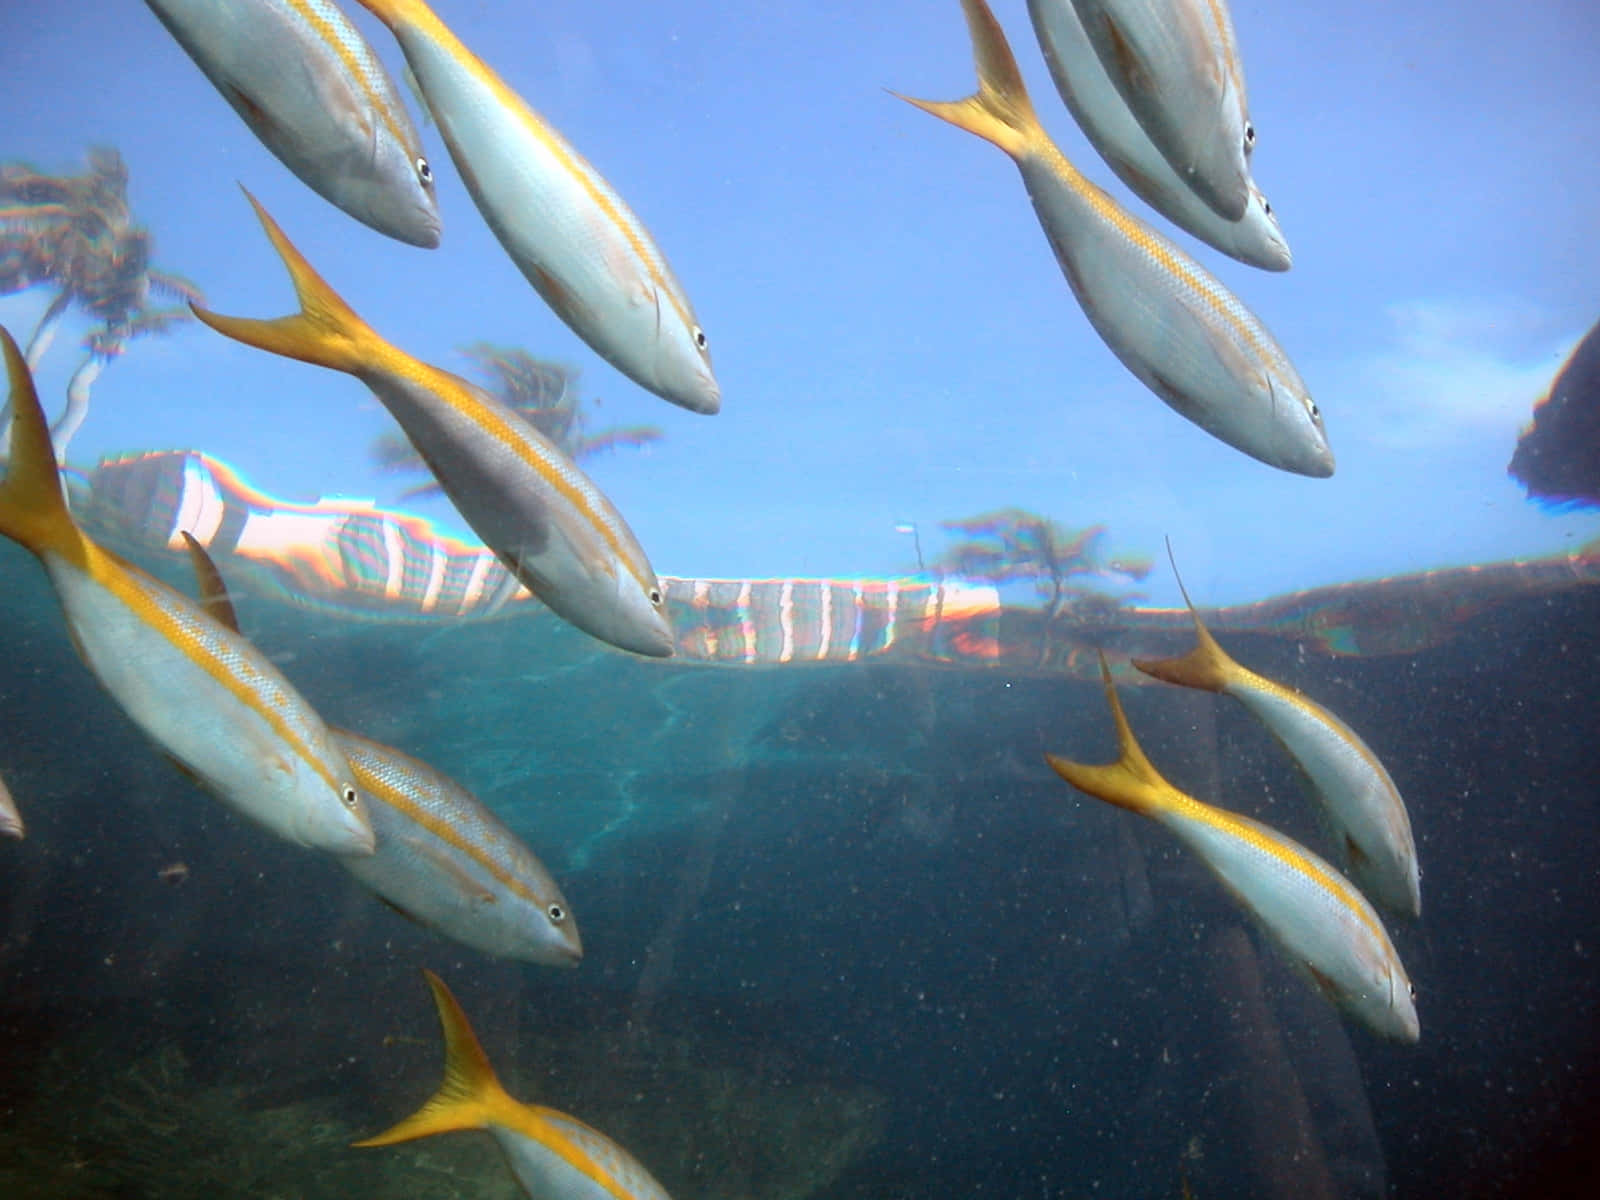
1207,667
1234,361
470,1095
214,599
1132,782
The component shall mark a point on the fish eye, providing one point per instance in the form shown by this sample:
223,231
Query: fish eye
1412,988
349,796
424,171
655,597
1316,412
1266,206
699,338
1249,135
556,913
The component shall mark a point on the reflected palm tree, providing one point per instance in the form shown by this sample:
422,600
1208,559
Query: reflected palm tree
1013,545
542,392
76,234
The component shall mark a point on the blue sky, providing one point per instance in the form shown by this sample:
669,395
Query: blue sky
893,338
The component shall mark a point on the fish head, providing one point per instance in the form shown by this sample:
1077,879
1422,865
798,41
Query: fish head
636,619
1299,439
1401,1021
1259,239
550,934
682,368
394,193
332,809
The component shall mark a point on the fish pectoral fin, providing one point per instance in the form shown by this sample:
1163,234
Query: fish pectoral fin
1325,985
560,297
1224,349
402,911
187,771
1128,64
475,892
255,115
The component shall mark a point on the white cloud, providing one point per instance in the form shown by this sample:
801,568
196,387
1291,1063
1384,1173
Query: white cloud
1456,371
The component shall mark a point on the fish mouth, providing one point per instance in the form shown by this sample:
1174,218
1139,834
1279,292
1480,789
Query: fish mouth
425,233
1321,466
703,396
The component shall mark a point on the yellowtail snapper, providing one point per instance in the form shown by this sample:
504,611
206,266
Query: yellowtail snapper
208,698
1322,923
309,86
548,523
1359,800
1186,337
441,858
565,227
552,1155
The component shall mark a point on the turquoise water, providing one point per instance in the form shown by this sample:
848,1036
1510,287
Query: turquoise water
846,934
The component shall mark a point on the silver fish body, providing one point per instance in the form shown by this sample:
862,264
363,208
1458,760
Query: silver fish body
1175,64
10,817
216,705
568,231
1255,238
1358,797
1325,927
532,505
544,518
451,864
565,1158
1169,320
309,86
1176,327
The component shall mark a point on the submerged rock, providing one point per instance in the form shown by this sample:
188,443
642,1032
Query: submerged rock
106,1122
1558,456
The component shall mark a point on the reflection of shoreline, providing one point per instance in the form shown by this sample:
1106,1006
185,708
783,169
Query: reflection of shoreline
354,558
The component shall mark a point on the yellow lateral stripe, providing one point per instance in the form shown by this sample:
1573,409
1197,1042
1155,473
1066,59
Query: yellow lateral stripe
1130,228
122,582
1311,709
395,796
353,64
454,392
543,1125
1230,52
1183,805
423,18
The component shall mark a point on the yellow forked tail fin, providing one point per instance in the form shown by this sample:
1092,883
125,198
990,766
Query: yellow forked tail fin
1206,667
1000,110
470,1092
326,331
1131,782
33,506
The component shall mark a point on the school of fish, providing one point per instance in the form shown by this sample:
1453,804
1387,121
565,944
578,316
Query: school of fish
1157,86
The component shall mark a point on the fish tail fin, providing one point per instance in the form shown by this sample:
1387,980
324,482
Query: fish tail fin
1207,667
325,332
33,504
1131,782
1000,111
470,1092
